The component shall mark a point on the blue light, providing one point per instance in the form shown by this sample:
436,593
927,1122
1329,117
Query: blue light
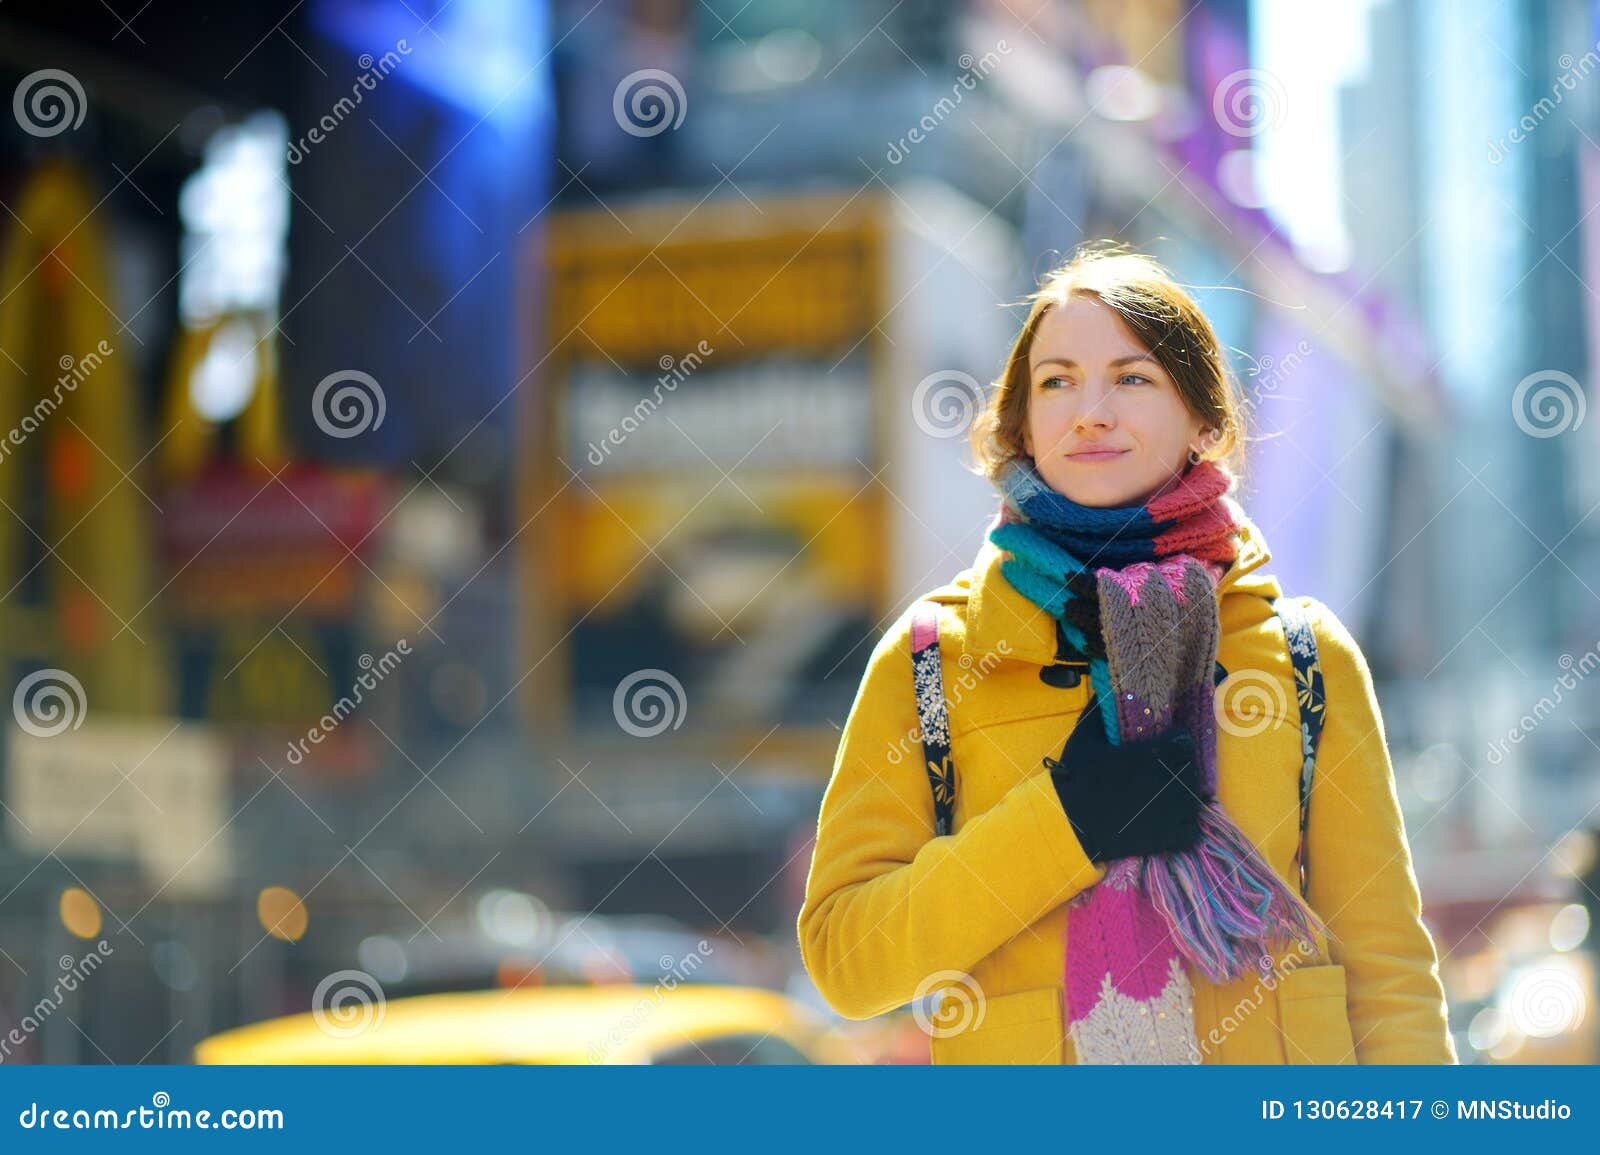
487,57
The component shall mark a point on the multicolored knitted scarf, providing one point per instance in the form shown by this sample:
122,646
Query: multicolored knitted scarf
1135,591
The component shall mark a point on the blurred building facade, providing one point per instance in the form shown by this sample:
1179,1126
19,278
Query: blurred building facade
516,232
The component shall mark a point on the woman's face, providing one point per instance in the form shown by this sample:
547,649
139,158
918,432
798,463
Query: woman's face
1106,426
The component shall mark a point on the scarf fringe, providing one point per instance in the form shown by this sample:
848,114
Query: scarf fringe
1224,905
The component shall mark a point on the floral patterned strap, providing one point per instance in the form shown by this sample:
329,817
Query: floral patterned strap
1308,692
933,715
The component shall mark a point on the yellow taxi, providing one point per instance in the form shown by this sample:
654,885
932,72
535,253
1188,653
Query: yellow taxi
686,1024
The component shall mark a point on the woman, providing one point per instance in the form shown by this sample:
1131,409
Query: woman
1121,881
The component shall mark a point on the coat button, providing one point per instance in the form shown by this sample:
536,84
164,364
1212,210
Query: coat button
1060,676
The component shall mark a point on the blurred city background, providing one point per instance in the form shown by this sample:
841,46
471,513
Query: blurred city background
456,459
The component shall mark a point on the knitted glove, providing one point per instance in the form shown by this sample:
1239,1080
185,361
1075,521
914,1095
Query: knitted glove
1135,799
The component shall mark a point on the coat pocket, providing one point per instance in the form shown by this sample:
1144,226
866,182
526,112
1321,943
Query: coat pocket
1021,1028
1314,1017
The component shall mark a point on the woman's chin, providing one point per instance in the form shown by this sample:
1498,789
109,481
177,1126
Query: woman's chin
1079,485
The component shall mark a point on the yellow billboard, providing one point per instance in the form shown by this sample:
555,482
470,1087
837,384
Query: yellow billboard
705,527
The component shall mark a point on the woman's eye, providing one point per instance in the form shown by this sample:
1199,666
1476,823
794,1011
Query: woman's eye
1134,378
1053,382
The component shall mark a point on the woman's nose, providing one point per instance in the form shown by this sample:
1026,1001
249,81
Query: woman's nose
1097,410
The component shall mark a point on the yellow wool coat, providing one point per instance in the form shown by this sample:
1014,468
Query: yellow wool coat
892,913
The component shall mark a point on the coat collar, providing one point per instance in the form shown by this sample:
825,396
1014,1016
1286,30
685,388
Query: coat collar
997,613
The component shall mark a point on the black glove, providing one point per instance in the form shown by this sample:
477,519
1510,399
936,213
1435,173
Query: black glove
1135,799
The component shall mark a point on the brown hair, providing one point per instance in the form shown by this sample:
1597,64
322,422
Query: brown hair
1165,320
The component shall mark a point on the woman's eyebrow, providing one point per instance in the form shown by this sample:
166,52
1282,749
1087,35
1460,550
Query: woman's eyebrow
1067,362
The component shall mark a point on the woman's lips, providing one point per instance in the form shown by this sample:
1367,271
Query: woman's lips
1097,455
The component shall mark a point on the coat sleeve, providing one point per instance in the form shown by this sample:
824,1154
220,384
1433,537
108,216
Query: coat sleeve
890,909
1362,880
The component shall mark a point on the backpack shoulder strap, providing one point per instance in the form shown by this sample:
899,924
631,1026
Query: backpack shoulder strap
1308,693
933,714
